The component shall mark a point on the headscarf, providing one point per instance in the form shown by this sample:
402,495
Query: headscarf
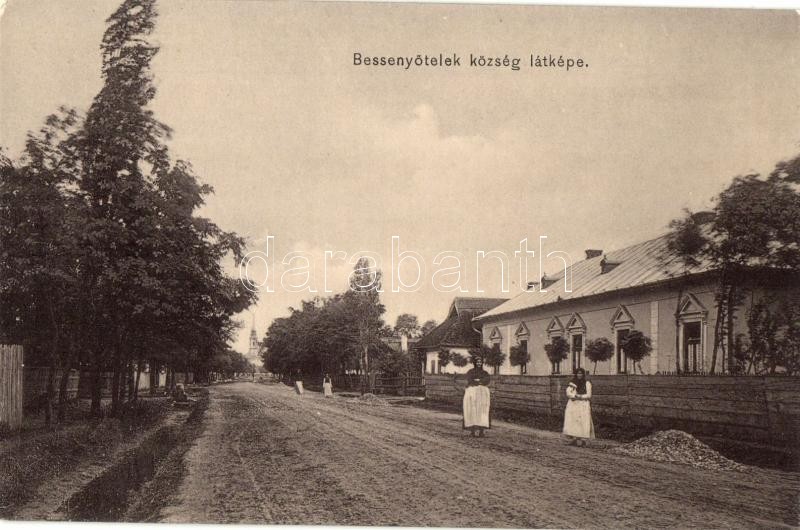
580,383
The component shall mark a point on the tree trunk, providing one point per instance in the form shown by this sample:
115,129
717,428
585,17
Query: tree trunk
97,389
50,391
135,393
729,331
123,383
66,366
717,326
115,386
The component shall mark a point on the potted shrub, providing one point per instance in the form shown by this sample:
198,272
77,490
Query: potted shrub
636,346
557,351
492,356
519,356
599,350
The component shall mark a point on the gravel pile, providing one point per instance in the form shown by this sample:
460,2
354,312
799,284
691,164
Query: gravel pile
372,400
678,447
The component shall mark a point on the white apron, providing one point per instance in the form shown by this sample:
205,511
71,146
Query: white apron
476,407
578,414
327,389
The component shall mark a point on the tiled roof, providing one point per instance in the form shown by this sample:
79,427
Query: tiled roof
476,305
457,329
638,265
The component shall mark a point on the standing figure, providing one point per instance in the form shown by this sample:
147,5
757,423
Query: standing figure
578,425
476,399
327,386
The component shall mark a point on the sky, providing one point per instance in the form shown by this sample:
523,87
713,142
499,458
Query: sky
302,145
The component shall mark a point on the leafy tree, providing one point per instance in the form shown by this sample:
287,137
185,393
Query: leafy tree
445,357
428,326
367,309
755,223
599,350
773,339
133,275
335,334
519,356
395,363
407,325
687,241
637,346
557,350
459,360
40,215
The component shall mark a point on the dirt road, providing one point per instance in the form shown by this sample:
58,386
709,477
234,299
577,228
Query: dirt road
268,455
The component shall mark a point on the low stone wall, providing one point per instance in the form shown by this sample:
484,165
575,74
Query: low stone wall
763,409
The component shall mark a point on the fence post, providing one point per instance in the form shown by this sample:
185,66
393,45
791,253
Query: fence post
11,386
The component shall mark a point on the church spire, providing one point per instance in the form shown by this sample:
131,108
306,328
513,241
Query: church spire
254,346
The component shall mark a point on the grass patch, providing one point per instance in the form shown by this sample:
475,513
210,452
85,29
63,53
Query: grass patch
30,457
143,481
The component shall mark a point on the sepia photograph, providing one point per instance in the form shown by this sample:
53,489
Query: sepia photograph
375,264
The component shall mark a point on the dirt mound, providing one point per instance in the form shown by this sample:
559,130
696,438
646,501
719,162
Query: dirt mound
677,447
372,400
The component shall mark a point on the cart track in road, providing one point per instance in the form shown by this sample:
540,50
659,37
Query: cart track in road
270,456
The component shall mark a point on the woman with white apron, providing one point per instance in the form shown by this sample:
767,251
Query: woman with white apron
578,425
476,399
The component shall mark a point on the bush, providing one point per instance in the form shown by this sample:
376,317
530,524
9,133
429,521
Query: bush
459,360
445,357
599,350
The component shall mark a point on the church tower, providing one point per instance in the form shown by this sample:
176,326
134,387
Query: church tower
252,352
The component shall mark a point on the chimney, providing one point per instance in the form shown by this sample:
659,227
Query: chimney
404,343
532,286
593,253
547,282
608,265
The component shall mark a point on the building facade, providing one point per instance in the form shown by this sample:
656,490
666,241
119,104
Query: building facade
457,333
641,287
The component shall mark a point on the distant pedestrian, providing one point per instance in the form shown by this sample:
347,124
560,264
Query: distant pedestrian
477,399
327,386
578,425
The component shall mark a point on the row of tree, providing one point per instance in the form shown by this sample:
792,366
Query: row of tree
343,333
337,334
104,263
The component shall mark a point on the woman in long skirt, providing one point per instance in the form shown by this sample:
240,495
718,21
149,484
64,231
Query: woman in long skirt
578,425
327,386
476,399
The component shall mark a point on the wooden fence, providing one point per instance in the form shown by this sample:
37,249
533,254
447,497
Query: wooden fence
11,396
400,386
764,409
